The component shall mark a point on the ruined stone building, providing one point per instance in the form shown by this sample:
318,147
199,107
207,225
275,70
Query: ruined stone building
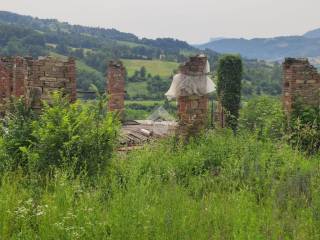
35,80
300,80
116,87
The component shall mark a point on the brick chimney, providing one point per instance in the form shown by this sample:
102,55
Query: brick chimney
193,109
116,87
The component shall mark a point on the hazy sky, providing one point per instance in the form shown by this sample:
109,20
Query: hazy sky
194,21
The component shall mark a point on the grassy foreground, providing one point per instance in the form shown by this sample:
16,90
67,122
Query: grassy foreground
218,187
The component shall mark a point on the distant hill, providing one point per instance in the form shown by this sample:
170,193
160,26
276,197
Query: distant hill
276,48
313,34
93,47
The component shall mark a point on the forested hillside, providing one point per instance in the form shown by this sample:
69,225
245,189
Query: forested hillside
93,47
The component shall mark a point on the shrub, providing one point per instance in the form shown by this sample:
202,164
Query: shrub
16,133
304,127
77,135
264,116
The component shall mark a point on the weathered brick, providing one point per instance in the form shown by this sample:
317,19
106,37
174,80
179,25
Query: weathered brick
300,79
35,80
193,109
116,87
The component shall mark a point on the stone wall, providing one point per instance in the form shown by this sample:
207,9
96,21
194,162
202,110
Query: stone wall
35,80
300,80
116,87
193,110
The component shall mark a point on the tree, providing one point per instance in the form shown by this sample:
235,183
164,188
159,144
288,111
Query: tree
62,49
230,71
143,72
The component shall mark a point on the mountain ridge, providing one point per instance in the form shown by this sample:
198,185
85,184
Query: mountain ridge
275,48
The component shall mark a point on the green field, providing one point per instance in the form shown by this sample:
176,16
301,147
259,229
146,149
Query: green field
154,67
139,88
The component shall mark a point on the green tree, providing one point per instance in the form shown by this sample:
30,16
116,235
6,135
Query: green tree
229,87
143,72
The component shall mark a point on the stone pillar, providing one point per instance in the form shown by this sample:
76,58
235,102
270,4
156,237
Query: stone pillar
193,109
116,87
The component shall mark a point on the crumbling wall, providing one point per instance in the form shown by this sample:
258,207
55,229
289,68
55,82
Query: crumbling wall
300,80
48,75
116,87
193,110
35,80
4,84
17,69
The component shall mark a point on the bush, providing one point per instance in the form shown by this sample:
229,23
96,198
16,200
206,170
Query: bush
79,136
264,116
16,133
304,127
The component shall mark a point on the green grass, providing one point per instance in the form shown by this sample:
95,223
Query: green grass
218,187
154,67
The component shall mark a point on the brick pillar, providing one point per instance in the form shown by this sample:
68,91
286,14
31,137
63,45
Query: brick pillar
300,80
71,72
193,110
20,74
4,86
116,87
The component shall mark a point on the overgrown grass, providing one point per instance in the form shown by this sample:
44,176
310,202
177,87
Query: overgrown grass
216,187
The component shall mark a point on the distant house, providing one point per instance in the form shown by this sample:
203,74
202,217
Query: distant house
162,57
